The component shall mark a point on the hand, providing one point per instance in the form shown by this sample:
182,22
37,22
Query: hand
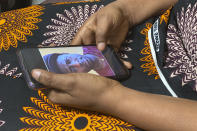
107,26
81,90
110,24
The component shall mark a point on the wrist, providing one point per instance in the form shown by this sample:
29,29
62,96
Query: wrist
125,103
139,10
127,9
109,101
135,11
118,99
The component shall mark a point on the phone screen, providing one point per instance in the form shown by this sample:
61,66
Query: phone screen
84,59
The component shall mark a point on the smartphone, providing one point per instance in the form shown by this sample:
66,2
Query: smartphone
73,59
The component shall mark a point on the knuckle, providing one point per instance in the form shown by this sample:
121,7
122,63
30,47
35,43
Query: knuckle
48,79
53,98
72,81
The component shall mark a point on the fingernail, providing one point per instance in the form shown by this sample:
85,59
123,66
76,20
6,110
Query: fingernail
130,66
36,74
101,46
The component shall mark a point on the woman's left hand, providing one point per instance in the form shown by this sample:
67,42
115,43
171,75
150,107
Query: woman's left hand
81,90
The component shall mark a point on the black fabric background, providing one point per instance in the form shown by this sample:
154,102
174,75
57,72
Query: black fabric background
15,94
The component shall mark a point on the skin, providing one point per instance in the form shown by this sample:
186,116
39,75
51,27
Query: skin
147,111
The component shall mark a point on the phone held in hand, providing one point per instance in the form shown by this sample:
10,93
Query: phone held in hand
73,59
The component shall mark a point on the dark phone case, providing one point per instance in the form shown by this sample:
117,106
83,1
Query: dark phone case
27,63
121,72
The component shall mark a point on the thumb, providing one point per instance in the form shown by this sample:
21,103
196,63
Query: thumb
44,77
50,79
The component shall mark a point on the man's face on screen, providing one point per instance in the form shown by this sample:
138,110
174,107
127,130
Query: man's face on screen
68,63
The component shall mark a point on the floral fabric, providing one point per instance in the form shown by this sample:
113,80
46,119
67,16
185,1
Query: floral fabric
162,50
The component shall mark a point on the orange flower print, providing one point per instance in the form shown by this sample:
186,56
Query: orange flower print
17,24
53,117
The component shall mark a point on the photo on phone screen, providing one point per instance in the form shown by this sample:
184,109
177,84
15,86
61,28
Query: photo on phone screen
74,59
86,59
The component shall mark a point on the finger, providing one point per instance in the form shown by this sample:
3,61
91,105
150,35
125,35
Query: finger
85,33
85,37
59,97
77,40
102,30
52,80
127,64
88,37
64,98
119,36
101,45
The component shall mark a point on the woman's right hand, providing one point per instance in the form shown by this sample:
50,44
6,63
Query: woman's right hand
109,25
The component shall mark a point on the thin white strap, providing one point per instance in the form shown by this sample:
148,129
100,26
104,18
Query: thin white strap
157,67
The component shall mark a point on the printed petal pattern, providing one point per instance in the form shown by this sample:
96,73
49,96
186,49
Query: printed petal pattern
182,46
74,2
67,24
9,71
15,25
1,122
55,117
165,16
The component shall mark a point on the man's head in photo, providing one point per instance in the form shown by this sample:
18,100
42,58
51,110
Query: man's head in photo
68,63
